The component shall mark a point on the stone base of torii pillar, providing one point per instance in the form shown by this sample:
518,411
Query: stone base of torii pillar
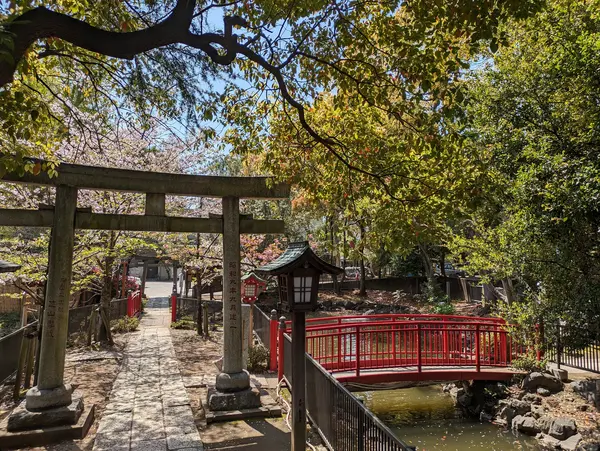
232,390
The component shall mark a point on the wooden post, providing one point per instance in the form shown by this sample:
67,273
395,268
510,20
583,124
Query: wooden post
298,381
31,345
280,354
419,364
205,318
357,351
477,350
20,365
144,276
124,280
251,328
273,340
199,322
173,307
175,277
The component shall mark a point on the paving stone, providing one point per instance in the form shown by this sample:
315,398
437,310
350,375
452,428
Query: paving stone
112,441
115,422
181,429
183,441
149,445
148,432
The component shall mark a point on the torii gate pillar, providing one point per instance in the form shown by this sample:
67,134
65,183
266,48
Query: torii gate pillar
233,383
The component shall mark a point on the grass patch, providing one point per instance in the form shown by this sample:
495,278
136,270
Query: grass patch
125,324
185,323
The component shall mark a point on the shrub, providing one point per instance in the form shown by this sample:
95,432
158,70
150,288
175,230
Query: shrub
144,304
433,292
528,362
125,324
443,308
185,322
258,358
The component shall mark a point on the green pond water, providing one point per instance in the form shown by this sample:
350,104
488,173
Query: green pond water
426,417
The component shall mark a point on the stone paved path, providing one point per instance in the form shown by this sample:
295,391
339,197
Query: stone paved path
149,408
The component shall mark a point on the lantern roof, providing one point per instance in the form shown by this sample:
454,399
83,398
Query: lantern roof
251,275
297,255
8,266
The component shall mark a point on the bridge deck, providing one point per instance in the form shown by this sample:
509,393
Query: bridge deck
436,373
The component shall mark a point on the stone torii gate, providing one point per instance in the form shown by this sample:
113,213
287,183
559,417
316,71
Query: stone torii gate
233,382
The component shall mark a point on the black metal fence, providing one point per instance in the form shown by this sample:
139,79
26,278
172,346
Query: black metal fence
573,346
262,326
343,422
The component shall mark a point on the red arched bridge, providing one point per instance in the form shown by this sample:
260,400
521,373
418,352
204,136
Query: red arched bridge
389,348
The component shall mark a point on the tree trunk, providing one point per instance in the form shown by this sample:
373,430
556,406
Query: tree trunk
443,263
426,260
509,291
363,286
106,294
199,298
105,298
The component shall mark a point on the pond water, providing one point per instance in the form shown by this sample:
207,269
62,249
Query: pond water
426,417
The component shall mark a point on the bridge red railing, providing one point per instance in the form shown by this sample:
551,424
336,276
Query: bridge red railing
356,343
134,303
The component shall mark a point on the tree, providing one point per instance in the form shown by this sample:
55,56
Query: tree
97,254
435,184
536,109
159,60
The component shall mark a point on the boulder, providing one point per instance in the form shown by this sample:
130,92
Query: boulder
526,425
505,415
535,380
571,443
543,392
548,442
562,428
560,374
544,423
537,411
531,398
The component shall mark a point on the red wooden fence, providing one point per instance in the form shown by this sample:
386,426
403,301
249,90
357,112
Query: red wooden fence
134,303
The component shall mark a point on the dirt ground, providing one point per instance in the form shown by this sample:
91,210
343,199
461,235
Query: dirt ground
91,371
196,357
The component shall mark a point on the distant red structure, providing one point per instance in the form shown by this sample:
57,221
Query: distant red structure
252,286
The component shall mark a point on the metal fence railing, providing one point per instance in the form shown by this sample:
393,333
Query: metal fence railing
573,347
343,422
262,326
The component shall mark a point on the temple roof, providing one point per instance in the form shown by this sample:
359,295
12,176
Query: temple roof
252,274
295,256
